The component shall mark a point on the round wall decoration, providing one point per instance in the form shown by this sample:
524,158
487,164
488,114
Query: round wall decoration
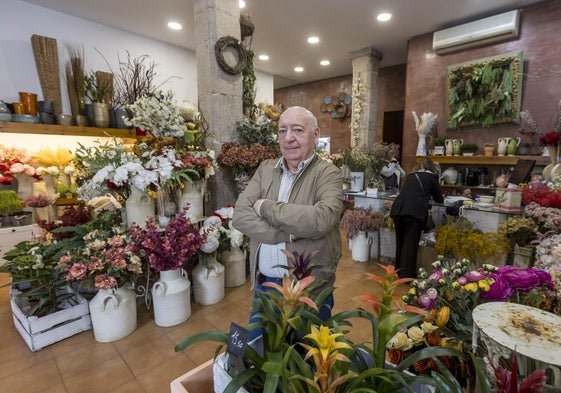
221,46
337,106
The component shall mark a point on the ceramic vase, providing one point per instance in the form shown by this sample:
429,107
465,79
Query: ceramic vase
360,251
113,314
512,146
374,237
502,145
449,145
208,282
192,196
546,172
422,146
357,181
101,114
171,297
139,207
234,265
458,146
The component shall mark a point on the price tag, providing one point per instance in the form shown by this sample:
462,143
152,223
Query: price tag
237,340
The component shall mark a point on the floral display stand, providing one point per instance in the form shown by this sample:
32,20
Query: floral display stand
38,332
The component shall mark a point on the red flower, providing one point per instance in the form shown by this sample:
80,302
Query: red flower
550,138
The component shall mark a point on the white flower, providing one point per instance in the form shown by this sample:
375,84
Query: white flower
428,327
210,245
416,334
424,125
69,169
53,171
212,222
226,212
401,341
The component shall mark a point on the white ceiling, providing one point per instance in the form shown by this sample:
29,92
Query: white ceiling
282,26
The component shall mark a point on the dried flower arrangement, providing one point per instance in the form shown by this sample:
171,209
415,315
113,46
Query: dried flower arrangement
361,219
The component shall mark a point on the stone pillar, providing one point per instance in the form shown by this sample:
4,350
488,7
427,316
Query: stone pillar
366,63
219,93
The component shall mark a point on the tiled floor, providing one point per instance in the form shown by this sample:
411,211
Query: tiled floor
145,361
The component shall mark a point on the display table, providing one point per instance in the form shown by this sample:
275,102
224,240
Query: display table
505,327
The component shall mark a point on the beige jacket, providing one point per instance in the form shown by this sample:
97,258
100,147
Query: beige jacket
312,214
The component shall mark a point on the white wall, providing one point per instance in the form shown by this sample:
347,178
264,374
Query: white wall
20,20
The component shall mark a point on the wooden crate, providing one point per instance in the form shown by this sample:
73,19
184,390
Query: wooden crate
198,380
38,332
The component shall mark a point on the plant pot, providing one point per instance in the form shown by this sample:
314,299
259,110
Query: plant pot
488,151
171,296
357,181
523,256
139,207
113,313
208,283
101,114
192,196
360,251
234,265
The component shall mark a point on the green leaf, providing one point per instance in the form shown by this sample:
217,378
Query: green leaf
220,337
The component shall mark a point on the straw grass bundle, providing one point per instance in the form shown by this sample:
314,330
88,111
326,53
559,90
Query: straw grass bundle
105,81
46,60
75,77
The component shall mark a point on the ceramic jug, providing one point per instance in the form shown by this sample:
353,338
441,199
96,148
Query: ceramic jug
512,146
450,176
502,145
458,146
449,143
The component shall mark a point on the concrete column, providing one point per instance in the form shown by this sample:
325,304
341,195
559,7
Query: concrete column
366,64
219,93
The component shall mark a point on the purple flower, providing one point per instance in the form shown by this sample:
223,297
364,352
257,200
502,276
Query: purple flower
475,275
500,289
462,281
432,293
436,275
525,279
426,302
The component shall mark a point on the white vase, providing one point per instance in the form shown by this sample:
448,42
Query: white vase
171,297
422,146
208,283
42,213
234,265
374,237
139,207
361,247
357,181
113,313
192,195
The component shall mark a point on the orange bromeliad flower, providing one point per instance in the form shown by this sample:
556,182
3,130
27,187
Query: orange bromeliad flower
292,292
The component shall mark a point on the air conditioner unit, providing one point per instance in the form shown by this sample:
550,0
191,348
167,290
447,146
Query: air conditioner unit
484,31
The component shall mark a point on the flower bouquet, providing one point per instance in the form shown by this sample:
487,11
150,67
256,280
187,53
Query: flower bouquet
519,230
361,220
15,161
158,115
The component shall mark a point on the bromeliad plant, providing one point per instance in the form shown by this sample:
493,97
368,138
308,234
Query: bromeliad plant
300,352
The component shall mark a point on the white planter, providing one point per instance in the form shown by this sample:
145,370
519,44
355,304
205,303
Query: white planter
360,251
113,313
374,244
208,283
171,296
220,376
192,195
38,332
234,265
139,207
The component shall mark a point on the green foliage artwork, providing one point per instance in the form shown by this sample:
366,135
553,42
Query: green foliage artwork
484,92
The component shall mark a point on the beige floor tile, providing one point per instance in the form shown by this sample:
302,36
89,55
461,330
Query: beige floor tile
153,353
132,386
104,377
151,381
33,379
84,358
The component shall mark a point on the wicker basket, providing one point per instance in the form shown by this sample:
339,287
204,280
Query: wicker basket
46,59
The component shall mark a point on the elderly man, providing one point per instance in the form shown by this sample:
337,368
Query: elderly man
293,203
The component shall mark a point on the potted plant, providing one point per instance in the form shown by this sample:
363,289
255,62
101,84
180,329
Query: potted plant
521,232
169,253
9,203
439,145
357,224
488,150
469,149
300,351
356,161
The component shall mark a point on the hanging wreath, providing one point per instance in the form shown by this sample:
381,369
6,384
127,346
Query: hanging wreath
230,42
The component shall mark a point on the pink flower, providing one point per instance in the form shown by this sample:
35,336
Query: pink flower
475,275
105,281
77,271
95,264
436,275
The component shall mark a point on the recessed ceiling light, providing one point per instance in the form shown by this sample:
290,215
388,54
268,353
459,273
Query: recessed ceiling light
241,4
325,62
384,17
263,57
174,25
313,40
299,69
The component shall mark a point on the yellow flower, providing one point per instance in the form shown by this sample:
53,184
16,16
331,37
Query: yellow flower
455,285
412,291
416,334
448,342
327,343
401,341
471,287
443,316
484,285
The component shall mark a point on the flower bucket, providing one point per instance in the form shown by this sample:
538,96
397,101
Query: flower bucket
113,313
192,195
234,265
208,283
374,237
139,207
171,296
361,247
357,181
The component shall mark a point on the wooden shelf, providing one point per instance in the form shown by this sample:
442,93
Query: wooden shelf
30,128
483,160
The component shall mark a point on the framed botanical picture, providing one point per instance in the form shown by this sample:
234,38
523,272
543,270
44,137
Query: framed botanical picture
484,92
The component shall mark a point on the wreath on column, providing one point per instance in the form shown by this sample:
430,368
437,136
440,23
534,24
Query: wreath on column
221,46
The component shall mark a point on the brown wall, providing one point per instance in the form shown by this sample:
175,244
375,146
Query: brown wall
420,85
391,90
540,41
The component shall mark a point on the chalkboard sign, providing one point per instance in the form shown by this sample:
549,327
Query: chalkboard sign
237,340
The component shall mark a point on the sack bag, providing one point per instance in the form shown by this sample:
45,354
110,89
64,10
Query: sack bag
429,222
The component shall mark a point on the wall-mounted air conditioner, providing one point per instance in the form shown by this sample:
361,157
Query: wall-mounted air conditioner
484,31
